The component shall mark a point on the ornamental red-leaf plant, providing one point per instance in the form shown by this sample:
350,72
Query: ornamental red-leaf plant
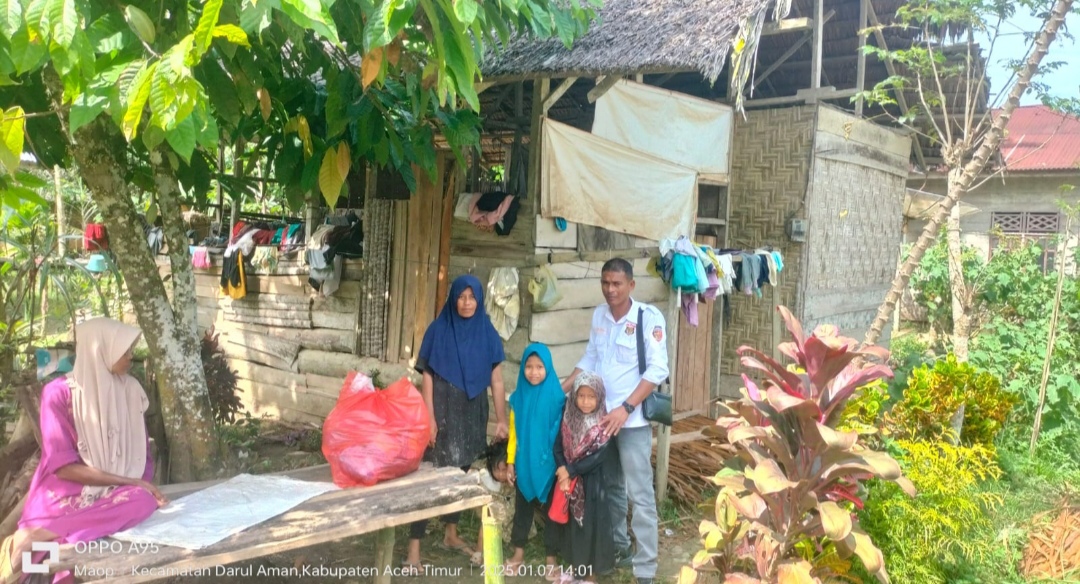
796,477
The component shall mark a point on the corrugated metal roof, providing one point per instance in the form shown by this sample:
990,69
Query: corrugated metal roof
1039,139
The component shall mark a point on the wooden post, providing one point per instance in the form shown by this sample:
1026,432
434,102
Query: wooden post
776,327
384,555
221,191
663,433
61,244
541,88
860,71
819,22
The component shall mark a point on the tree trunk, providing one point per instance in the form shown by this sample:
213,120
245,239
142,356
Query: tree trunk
972,169
958,290
98,150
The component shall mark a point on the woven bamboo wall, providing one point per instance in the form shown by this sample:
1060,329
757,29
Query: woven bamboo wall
770,169
855,217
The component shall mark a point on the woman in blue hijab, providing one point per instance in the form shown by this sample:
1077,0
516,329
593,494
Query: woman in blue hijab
536,408
459,358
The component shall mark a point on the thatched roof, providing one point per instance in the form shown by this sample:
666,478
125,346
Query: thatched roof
633,36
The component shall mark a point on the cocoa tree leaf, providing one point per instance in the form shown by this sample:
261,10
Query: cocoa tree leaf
64,21
344,160
204,30
687,575
370,66
265,107
183,137
10,17
233,34
329,180
12,134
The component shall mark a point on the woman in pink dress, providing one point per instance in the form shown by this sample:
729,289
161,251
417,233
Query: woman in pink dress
94,476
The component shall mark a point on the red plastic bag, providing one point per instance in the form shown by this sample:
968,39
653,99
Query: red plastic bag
375,435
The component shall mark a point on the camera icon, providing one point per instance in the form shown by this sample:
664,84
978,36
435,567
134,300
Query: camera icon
29,566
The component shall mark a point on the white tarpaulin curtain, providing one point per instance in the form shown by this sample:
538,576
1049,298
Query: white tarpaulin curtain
591,180
686,130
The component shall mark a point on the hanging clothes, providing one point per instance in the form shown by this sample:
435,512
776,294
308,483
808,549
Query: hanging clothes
200,257
265,258
503,302
727,268
233,280
155,238
95,237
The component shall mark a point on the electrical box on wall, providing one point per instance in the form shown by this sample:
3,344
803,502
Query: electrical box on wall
796,230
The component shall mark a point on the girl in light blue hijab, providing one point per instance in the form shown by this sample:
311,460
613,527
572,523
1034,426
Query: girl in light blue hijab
536,408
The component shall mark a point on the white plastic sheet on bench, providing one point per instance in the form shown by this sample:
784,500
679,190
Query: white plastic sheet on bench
208,516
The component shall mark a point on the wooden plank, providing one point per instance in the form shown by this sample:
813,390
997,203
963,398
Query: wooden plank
320,339
261,395
398,296
446,228
292,313
602,86
819,38
559,91
860,66
434,222
335,304
269,321
321,519
329,387
566,357
561,327
547,235
283,349
586,293
273,300
339,365
787,25
540,90
334,320
586,269
234,351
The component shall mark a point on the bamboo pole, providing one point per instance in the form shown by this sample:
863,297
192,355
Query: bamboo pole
663,433
1051,337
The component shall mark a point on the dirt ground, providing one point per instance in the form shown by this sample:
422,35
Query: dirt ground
347,560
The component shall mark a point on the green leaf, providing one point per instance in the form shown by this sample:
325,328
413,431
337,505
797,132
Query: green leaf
37,19
204,30
10,17
209,134
466,10
12,133
232,33
377,28
26,55
336,118
309,179
86,107
311,14
137,98
64,19
182,138
256,17
110,33
222,91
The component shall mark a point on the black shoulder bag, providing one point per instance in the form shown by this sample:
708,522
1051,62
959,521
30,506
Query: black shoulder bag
657,406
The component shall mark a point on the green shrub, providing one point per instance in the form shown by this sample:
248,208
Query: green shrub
934,395
947,525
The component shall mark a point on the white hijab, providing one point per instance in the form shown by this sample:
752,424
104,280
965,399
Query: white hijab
108,408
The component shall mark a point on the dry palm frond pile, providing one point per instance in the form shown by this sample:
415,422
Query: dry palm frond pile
693,462
1053,551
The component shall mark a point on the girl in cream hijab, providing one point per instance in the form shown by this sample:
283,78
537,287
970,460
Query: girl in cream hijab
93,479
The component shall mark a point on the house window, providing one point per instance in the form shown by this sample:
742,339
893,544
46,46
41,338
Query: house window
1011,229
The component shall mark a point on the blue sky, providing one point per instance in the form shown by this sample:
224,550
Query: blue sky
1065,82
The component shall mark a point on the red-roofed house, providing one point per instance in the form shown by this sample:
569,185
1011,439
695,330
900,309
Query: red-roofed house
1041,154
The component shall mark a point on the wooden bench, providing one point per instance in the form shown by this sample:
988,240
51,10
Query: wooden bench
424,494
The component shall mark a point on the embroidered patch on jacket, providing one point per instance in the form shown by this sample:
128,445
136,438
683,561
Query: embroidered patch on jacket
658,334
630,328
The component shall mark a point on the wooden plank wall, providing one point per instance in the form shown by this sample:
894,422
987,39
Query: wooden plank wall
415,272
290,347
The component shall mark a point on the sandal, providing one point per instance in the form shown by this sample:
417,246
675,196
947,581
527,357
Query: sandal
463,549
8,573
411,570
512,568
